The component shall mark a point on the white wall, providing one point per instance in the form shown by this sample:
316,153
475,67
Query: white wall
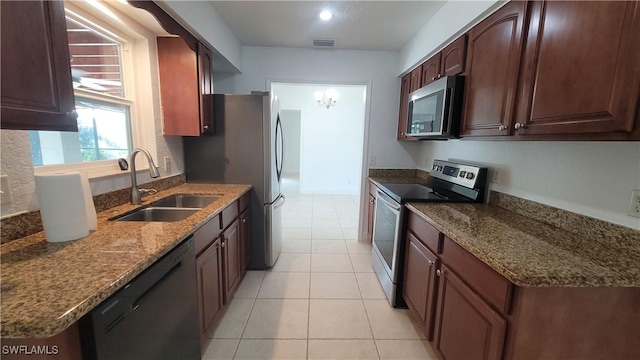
590,178
375,68
292,128
332,139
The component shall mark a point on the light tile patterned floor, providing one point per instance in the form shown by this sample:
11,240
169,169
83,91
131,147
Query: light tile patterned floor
321,300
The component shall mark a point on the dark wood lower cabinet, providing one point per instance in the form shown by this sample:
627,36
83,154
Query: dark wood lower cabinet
466,327
231,253
245,239
419,287
209,275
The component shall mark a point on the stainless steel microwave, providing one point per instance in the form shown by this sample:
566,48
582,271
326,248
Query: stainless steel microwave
435,109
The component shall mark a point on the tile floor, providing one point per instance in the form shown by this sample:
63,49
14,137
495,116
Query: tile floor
321,300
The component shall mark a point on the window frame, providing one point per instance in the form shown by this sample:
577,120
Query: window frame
110,22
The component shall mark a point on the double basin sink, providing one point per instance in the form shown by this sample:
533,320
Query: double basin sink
171,208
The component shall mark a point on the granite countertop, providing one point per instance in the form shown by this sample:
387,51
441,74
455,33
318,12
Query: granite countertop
531,253
46,287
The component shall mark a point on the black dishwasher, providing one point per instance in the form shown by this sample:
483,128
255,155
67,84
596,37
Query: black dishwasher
154,317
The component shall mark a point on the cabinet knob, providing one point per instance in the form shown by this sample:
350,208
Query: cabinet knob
206,127
439,76
431,263
222,244
502,128
72,114
439,272
402,133
519,126
244,221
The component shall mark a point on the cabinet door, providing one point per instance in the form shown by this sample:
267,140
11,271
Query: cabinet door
245,239
37,92
416,79
419,285
405,89
179,90
493,58
209,278
205,74
431,70
453,56
231,250
466,327
580,70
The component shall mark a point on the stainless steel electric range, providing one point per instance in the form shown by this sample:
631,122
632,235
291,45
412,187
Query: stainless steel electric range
449,182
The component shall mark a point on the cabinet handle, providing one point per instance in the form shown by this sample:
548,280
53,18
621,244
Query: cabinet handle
502,128
439,272
72,114
519,126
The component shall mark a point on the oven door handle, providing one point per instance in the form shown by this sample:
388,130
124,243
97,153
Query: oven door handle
387,200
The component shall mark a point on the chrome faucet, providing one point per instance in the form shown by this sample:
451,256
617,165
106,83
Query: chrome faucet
136,194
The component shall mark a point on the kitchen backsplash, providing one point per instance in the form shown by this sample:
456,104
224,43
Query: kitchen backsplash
27,223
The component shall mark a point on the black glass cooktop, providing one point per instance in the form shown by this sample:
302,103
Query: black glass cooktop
411,192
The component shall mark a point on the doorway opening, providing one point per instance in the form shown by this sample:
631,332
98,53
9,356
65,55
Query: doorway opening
324,137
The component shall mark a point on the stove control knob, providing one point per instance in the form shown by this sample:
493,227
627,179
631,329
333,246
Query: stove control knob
470,175
462,174
435,167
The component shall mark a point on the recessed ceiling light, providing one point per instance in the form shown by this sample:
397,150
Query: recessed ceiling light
326,15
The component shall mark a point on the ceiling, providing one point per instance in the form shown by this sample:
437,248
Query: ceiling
357,25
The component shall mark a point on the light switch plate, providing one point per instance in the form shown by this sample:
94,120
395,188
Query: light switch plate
5,196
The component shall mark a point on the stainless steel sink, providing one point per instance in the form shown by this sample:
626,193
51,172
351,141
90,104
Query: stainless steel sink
158,214
185,201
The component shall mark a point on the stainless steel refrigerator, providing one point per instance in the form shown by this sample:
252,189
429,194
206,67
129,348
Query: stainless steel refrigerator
247,148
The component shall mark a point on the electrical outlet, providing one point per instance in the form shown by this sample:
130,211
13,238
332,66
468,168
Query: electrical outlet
167,165
634,204
5,195
372,160
496,176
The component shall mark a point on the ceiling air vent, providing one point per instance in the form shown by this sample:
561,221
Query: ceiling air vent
324,42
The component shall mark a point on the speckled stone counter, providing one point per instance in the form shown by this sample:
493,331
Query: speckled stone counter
46,287
531,253
398,176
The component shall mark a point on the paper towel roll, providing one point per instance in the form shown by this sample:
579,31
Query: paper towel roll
62,206
92,217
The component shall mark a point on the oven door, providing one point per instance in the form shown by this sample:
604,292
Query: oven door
386,233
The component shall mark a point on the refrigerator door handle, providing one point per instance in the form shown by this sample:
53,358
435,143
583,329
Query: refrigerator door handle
279,201
280,158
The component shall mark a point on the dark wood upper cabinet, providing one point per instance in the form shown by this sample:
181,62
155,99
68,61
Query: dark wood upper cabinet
580,71
37,90
493,57
431,70
405,89
185,82
205,75
452,57
416,79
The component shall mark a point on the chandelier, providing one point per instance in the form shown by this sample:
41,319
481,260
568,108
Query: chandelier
326,98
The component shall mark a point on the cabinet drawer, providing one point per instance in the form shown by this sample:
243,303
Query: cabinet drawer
426,233
229,214
490,285
244,201
206,234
